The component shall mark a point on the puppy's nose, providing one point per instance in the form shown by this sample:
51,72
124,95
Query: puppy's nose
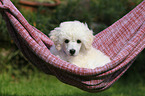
72,51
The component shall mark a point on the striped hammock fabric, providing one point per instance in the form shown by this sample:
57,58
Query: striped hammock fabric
122,41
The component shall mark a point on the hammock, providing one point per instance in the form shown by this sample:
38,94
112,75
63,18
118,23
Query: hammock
122,41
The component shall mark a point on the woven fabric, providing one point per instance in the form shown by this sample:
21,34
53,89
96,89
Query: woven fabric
122,41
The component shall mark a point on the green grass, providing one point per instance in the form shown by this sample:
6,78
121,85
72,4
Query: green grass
44,85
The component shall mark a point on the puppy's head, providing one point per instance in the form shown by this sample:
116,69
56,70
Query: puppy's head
72,37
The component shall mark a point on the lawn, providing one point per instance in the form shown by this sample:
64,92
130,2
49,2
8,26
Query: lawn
40,84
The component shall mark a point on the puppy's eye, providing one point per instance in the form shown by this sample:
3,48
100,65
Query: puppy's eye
78,41
66,41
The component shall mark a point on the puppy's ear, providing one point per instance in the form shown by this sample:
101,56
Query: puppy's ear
54,36
88,38
88,42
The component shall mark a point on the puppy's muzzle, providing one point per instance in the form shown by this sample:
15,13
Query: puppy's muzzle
72,52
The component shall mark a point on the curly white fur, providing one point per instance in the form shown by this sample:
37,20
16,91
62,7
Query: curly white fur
73,43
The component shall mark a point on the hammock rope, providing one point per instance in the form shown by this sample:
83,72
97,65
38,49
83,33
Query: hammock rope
122,41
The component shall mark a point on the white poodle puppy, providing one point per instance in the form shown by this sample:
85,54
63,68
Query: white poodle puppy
73,43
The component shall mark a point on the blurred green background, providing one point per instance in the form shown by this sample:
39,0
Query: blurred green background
19,77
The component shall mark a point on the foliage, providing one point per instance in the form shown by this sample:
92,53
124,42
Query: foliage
12,61
71,11
43,1
4,36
